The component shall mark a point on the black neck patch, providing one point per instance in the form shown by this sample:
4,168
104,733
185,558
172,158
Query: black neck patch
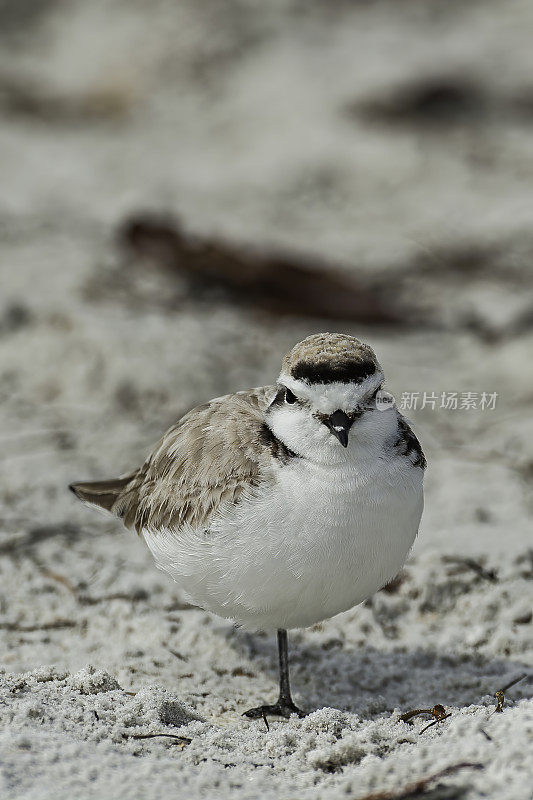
279,450
341,371
408,445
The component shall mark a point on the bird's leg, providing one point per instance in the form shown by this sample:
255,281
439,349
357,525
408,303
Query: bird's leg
284,706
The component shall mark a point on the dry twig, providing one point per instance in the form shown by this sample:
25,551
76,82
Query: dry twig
419,787
55,576
87,600
84,599
178,655
500,694
437,719
45,626
438,712
181,741
40,534
473,565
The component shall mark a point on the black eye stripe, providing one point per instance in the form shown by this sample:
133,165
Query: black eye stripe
290,397
284,395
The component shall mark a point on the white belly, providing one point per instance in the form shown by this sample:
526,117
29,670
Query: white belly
320,541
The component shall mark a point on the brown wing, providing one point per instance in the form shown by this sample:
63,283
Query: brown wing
214,454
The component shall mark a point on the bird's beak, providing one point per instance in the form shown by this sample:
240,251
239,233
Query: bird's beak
339,424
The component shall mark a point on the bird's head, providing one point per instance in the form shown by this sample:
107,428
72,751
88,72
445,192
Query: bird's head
326,397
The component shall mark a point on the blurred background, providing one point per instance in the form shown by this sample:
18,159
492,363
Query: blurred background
188,188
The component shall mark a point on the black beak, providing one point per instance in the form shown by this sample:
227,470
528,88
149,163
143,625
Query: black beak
339,424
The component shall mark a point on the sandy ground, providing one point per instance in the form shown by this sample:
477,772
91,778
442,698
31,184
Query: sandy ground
286,125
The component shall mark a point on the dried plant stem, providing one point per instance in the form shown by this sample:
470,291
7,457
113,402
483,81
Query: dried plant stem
418,787
181,741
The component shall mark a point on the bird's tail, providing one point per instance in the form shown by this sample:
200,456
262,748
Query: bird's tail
101,494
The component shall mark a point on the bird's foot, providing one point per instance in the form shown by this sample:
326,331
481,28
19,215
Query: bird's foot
283,708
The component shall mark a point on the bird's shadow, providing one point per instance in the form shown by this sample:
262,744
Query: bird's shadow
368,681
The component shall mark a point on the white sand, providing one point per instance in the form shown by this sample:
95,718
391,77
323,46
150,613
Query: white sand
236,121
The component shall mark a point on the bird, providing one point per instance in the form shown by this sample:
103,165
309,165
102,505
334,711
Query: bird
281,506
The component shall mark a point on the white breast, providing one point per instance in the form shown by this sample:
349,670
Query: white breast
321,540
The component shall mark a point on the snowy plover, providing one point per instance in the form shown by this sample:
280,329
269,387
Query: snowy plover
283,505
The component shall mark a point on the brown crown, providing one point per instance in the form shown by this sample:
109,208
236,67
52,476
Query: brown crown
328,357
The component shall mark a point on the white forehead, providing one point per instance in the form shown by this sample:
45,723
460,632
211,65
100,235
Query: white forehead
330,397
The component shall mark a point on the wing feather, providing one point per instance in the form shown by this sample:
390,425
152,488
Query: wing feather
213,456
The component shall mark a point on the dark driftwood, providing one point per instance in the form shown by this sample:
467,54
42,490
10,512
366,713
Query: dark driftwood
276,282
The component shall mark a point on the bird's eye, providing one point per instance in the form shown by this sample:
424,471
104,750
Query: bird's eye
289,396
